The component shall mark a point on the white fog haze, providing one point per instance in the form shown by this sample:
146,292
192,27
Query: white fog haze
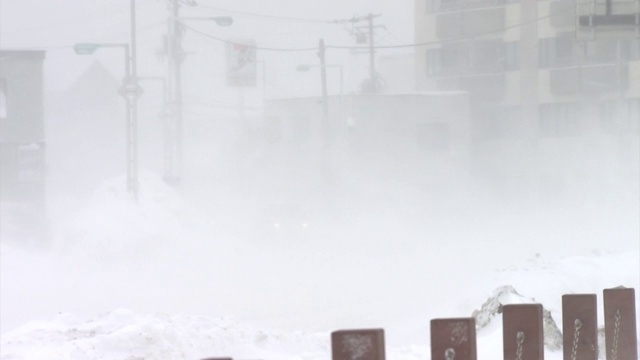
250,213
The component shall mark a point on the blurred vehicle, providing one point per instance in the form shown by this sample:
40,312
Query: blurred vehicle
284,220
288,217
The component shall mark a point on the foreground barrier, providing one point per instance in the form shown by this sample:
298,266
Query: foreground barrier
619,324
522,332
453,339
358,344
580,326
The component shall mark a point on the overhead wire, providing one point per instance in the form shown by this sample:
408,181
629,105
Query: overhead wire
267,16
399,46
263,48
462,38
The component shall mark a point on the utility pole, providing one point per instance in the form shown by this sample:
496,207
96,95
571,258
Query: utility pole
325,97
325,166
174,125
370,35
132,126
372,56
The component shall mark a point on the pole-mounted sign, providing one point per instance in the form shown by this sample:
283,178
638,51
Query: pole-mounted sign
241,63
130,89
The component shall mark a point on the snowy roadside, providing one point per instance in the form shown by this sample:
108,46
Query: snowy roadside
125,334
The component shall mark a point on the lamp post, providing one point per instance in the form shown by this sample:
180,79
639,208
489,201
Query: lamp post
325,164
175,54
130,91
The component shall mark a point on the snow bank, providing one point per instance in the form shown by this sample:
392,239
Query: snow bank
125,334
121,334
112,224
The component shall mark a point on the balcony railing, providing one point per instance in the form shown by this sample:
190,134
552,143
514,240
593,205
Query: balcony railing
608,12
589,79
479,21
485,87
437,6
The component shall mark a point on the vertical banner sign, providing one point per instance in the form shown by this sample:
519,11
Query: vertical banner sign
453,339
620,324
580,327
241,63
364,344
522,332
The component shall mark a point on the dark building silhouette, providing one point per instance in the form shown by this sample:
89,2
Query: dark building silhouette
22,142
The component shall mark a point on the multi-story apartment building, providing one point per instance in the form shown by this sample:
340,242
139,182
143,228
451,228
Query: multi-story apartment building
554,67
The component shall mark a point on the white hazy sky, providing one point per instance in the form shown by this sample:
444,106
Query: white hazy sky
56,25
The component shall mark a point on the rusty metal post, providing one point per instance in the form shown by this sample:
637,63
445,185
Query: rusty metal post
522,332
453,339
580,327
620,324
362,344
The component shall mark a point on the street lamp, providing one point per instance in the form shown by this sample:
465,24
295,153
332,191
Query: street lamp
175,54
219,20
130,91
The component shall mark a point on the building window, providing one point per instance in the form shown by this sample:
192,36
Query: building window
607,117
634,116
634,49
448,4
559,120
3,99
485,56
556,51
620,117
449,56
446,60
430,6
433,62
610,50
510,57
452,5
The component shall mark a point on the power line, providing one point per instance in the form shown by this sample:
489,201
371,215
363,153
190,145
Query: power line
266,16
455,39
400,46
255,47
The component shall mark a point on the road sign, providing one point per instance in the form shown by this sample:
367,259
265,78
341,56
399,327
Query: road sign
241,63
130,89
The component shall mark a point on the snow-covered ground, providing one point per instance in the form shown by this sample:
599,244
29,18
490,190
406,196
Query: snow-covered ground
197,273
159,280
